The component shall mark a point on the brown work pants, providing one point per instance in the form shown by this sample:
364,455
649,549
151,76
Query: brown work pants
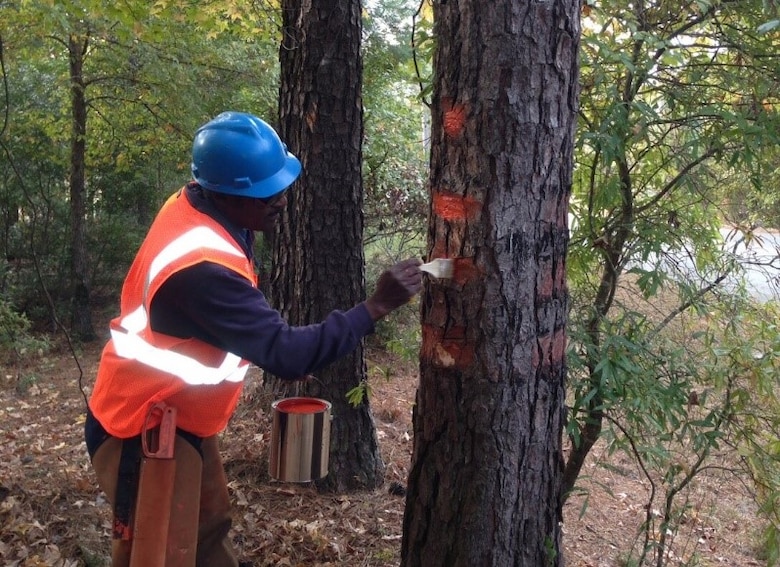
200,513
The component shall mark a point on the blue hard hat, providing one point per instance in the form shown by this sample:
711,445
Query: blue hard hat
240,154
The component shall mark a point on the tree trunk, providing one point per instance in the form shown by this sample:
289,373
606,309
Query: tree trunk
81,317
485,481
318,253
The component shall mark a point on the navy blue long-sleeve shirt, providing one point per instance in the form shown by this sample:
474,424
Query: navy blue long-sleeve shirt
211,303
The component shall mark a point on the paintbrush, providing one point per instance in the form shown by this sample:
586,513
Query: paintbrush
442,268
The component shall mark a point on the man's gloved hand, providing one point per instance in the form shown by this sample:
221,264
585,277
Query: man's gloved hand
395,287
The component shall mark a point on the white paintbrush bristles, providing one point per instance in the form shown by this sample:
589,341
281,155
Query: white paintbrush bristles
441,268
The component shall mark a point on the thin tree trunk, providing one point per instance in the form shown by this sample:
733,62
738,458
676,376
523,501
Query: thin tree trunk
485,482
80,289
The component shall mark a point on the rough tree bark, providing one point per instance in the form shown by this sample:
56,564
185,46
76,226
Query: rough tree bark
318,252
485,482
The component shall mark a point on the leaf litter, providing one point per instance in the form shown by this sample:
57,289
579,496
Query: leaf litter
53,514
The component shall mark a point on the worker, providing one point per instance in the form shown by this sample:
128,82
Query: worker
191,321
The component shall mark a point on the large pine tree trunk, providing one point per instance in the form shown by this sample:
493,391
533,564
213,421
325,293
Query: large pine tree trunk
485,483
81,315
318,253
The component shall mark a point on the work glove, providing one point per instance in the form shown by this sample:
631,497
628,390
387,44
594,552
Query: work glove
395,287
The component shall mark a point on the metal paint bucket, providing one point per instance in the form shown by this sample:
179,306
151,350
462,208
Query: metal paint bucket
300,439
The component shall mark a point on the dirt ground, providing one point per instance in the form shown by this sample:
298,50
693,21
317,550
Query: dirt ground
51,512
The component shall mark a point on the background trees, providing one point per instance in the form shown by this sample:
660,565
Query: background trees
111,96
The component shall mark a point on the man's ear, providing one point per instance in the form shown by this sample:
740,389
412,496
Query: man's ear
237,202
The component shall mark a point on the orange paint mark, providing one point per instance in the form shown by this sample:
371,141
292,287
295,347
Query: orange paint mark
450,351
454,118
451,207
430,337
464,270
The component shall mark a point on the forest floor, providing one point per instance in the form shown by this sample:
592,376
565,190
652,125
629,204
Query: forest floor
52,513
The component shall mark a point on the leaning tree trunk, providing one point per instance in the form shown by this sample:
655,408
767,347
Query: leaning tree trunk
318,253
485,482
81,317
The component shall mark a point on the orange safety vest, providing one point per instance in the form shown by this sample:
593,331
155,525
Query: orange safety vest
140,367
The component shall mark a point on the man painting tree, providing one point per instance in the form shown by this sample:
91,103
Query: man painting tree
484,487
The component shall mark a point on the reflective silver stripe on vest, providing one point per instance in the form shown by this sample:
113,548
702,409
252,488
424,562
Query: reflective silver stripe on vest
200,237
131,345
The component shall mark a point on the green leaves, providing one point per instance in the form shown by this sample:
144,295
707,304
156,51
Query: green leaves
677,137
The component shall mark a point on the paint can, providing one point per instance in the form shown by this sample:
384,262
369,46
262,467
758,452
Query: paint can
300,439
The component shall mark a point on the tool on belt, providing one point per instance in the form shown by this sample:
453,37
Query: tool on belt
155,488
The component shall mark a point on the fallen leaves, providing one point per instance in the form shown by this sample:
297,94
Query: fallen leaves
45,478
52,513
